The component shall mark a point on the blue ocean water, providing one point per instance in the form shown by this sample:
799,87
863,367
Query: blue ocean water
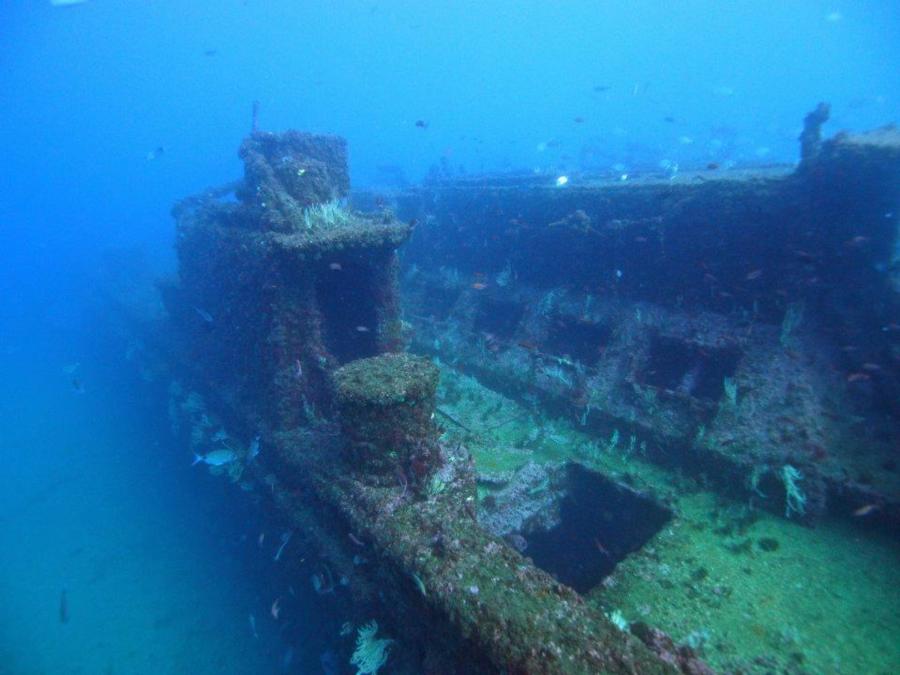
113,110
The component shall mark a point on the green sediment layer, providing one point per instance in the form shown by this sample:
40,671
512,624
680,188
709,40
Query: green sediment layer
752,591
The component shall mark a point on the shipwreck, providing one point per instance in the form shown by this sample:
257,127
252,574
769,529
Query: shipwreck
735,330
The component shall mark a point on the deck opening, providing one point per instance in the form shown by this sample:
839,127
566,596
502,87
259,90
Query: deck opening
599,523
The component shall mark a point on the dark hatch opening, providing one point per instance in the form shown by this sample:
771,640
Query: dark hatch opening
498,317
577,339
689,368
600,523
347,303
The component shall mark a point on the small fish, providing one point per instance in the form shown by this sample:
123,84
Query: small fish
253,627
871,367
561,180
754,275
260,539
155,154
600,547
579,120
421,124
858,377
866,510
219,457
276,609
253,450
600,88
287,659
329,662
335,267
479,285
203,314
298,370
210,52
78,386
857,241
285,538
64,606
712,166
362,329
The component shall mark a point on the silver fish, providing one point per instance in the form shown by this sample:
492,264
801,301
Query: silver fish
216,457
285,538
287,659
253,450
206,316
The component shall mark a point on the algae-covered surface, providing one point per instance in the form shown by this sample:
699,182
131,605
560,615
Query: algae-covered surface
388,379
750,591
769,595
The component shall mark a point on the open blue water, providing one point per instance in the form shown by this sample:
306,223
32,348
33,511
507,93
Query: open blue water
95,500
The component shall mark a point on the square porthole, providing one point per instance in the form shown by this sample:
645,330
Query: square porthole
498,317
689,368
577,339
